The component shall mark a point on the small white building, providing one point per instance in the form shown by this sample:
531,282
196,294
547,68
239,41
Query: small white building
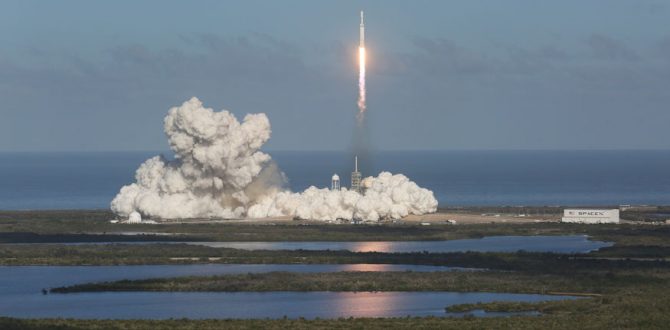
590,216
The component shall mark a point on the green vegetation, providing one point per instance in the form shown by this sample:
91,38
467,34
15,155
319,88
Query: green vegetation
629,282
647,214
592,281
94,226
579,320
499,306
129,254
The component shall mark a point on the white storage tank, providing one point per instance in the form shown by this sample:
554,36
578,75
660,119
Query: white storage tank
590,216
135,217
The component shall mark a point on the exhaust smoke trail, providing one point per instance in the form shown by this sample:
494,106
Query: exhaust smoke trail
361,74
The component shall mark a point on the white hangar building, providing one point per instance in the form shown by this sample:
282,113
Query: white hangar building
590,216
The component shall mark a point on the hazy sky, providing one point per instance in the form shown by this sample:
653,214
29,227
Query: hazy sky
94,75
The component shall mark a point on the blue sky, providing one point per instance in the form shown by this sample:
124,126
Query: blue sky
93,75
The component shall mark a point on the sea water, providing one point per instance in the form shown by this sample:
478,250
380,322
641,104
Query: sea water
458,178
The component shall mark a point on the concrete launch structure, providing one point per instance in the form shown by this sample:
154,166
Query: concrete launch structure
590,216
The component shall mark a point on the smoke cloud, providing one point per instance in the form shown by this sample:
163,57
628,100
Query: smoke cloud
220,172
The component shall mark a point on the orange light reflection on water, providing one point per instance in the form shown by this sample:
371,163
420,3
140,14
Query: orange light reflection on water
372,246
368,304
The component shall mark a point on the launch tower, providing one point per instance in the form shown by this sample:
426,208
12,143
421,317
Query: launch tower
356,177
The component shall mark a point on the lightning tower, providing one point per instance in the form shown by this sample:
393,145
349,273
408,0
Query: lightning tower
356,177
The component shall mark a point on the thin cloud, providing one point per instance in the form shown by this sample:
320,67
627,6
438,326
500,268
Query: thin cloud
607,48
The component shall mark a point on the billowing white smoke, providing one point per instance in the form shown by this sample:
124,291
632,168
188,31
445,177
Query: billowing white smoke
388,196
219,172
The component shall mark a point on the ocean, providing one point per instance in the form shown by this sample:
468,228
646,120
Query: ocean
458,178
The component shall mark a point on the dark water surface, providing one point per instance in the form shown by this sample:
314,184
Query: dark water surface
556,244
91,180
247,305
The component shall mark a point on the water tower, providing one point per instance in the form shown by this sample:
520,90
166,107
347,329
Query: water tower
335,182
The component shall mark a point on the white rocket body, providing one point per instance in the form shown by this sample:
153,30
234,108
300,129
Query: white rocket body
362,37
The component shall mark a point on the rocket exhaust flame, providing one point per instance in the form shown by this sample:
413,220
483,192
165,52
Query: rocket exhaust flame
361,74
361,85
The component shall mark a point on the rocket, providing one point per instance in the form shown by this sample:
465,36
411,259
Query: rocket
362,37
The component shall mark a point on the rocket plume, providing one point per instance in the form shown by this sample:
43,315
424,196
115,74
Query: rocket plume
361,74
361,85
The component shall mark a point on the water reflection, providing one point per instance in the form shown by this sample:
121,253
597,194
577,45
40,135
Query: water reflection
557,244
369,304
376,246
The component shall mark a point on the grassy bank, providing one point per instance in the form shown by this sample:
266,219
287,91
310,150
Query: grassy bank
94,226
576,321
157,254
585,281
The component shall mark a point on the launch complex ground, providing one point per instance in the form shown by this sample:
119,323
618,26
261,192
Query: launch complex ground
440,217
457,216
622,286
